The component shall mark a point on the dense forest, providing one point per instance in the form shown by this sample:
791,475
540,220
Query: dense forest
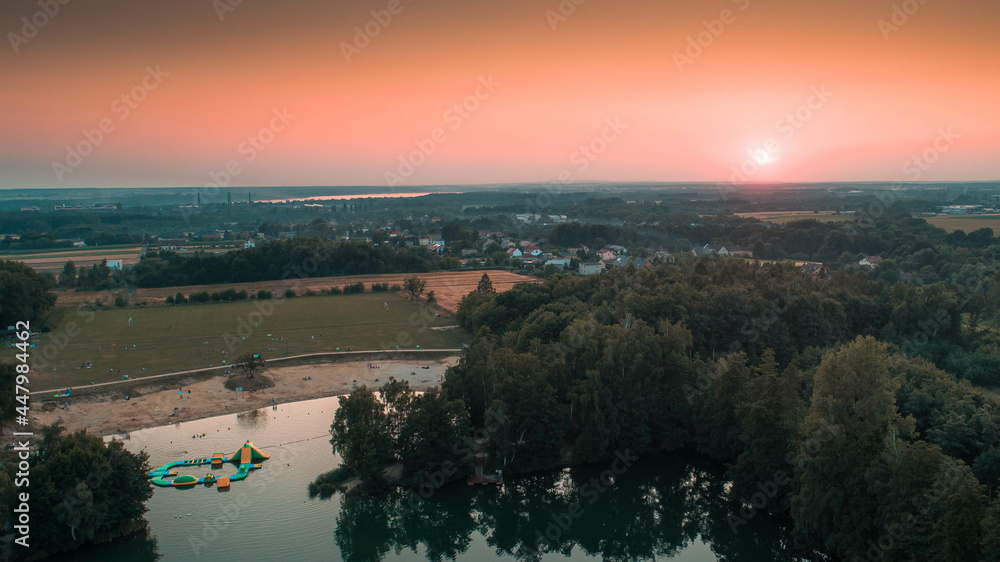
81,491
856,396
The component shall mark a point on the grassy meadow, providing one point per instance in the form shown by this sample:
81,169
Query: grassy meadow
193,336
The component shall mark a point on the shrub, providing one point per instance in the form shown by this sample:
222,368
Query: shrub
355,288
179,298
396,287
289,293
203,296
335,291
264,295
380,287
326,484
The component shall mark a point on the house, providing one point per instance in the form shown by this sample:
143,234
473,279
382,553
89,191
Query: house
621,261
173,243
436,248
469,252
249,244
514,253
115,264
706,250
701,252
737,251
661,256
812,270
560,264
606,255
425,240
870,261
642,262
77,243
617,249
490,246
592,268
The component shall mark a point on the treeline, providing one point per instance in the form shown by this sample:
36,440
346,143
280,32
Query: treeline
914,245
232,295
284,259
867,447
80,491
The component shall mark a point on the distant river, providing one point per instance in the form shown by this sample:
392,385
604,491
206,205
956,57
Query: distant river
663,507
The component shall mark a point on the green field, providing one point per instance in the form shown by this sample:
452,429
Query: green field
178,338
785,217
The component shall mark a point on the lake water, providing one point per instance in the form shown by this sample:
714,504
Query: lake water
664,507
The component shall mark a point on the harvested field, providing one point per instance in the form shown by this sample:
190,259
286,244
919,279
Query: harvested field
448,287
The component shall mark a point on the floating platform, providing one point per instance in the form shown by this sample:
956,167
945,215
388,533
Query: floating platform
246,458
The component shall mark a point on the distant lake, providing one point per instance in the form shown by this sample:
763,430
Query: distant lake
662,507
361,196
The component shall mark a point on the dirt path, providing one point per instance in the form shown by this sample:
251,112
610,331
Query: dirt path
155,407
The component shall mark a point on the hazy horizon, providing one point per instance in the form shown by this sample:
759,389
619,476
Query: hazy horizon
406,94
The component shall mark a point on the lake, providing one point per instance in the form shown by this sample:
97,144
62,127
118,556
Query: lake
661,507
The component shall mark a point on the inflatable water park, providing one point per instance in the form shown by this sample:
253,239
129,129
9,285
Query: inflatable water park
246,458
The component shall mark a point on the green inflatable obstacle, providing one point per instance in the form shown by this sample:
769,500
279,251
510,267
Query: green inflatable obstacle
246,458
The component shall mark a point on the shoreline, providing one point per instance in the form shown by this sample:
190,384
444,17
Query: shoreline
156,406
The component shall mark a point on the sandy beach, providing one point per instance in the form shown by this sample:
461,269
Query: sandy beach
156,406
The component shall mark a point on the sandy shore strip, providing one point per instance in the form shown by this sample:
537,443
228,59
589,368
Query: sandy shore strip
155,406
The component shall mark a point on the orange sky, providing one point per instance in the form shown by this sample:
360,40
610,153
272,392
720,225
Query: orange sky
926,89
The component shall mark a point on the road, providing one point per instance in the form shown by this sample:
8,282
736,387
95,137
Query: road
195,371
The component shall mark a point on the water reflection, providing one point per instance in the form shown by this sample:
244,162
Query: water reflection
658,508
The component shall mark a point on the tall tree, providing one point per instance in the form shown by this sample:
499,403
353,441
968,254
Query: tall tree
361,436
24,295
434,440
485,284
414,287
68,277
852,421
